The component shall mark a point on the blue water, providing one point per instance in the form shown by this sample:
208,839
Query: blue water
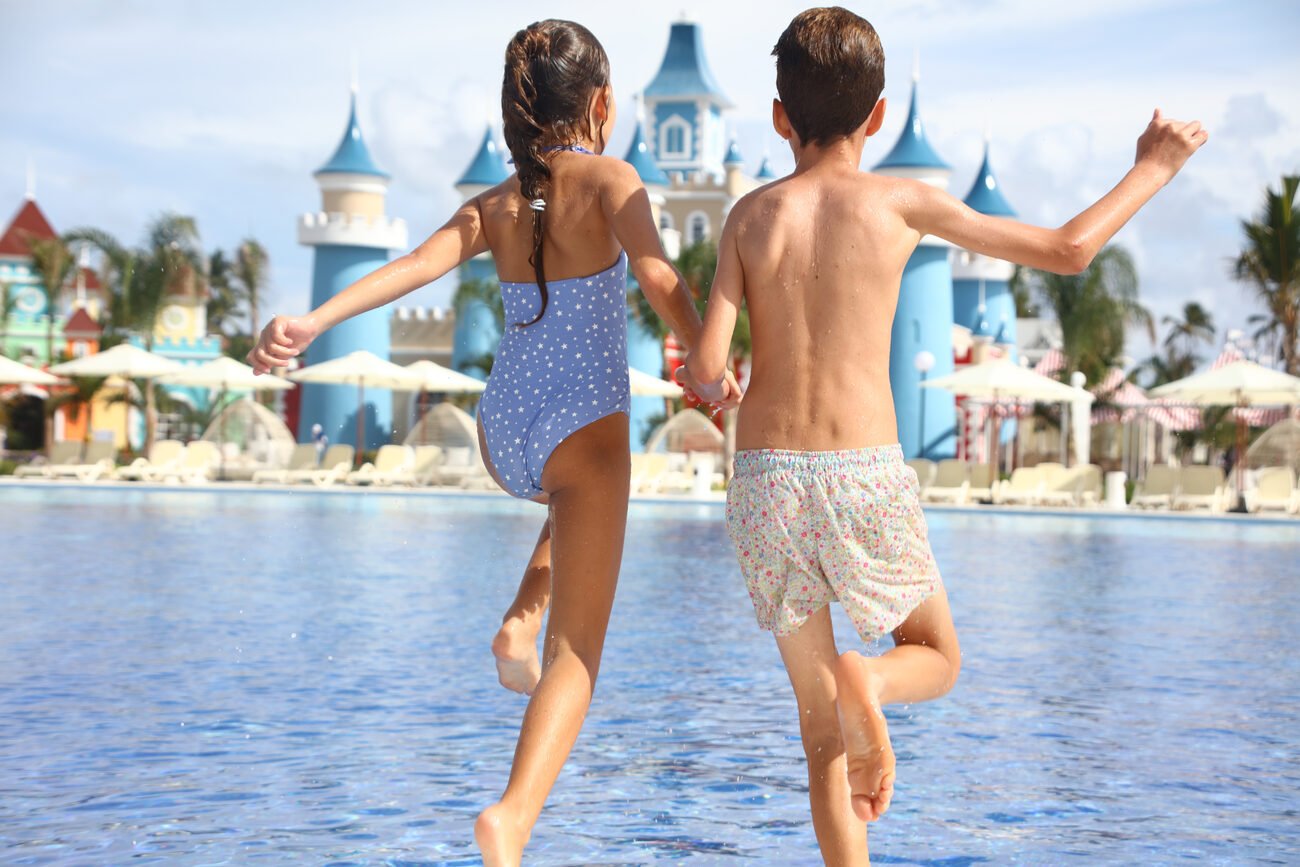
219,678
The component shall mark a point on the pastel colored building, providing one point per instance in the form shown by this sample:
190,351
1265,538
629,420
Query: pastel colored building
350,237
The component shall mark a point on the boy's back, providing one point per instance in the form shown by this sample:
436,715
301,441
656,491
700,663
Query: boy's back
822,506
822,253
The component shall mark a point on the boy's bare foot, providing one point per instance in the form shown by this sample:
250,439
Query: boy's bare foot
499,838
866,737
515,648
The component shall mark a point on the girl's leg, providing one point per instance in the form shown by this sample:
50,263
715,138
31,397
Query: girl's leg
515,644
810,659
922,665
587,481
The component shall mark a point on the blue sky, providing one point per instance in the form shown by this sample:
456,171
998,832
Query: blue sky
223,110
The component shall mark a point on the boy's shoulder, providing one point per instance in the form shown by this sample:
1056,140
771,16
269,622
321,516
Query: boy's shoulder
872,188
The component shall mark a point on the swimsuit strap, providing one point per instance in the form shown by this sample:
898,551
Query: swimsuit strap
576,148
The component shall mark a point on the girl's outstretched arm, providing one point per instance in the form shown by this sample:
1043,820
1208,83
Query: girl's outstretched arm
459,239
627,206
1161,151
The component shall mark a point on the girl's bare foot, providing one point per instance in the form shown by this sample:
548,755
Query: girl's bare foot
515,649
866,737
499,838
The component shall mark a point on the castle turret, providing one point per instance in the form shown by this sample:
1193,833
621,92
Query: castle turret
656,183
981,283
981,289
765,173
684,105
351,237
734,165
924,318
477,333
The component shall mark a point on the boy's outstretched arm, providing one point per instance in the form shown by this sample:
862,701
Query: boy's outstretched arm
707,361
627,205
459,239
1161,151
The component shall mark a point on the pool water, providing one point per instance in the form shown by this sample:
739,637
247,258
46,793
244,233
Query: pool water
223,678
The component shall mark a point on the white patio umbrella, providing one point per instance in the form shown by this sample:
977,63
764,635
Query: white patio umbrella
225,374
1239,384
126,361
644,385
1002,380
14,373
360,368
434,377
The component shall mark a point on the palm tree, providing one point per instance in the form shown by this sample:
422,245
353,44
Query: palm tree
1270,260
1094,309
223,295
1196,325
480,291
142,281
8,301
54,263
251,271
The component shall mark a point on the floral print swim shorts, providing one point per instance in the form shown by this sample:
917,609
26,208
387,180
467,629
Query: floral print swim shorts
810,527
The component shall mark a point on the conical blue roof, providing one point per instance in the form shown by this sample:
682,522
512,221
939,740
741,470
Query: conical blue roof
488,168
765,172
638,154
1003,337
684,71
912,150
985,195
981,327
733,154
352,156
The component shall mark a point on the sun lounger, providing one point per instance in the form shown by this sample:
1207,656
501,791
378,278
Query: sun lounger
924,469
1065,487
198,464
99,461
1024,486
165,455
423,468
648,470
1090,486
1275,488
334,467
62,453
1157,490
982,477
302,458
455,466
951,483
391,463
1201,487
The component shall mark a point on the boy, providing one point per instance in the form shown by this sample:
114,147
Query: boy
822,506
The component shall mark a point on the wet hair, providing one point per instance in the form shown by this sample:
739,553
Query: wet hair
830,71
552,68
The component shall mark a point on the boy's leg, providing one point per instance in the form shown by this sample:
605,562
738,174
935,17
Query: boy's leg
515,644
587,480
810,659
922,665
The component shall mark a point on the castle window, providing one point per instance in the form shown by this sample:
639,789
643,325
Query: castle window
697,227
665,221
675,139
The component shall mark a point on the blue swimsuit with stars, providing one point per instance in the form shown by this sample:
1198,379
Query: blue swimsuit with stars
554,377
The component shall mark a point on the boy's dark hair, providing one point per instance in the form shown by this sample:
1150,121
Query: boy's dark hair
830,71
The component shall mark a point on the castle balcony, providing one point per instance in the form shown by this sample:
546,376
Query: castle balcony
352,230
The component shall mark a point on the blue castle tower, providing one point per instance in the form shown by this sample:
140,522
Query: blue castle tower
981,290
685,104
477,334
927,418
351,237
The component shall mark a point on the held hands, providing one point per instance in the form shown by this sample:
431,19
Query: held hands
1166,144
722,395
283,338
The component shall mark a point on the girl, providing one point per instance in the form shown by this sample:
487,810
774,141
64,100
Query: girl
554,417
